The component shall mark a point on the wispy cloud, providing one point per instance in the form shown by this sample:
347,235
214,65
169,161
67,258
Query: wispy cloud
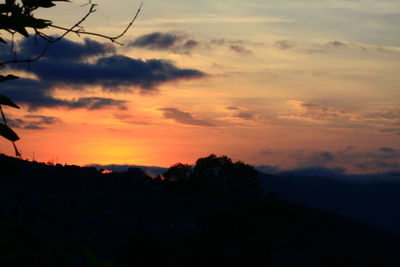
240,49
219,20
184,117
33,122
382,159
284,44
313,112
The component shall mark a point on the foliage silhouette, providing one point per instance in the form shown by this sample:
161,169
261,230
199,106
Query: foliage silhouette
215,175
18,17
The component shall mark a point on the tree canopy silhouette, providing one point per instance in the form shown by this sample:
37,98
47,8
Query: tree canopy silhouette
18,19
215,174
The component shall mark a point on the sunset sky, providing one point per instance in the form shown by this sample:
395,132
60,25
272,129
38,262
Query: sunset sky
283,84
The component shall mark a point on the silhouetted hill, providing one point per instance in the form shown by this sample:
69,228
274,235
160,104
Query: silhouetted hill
211,214
373,199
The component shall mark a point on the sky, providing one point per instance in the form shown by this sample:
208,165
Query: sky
278,84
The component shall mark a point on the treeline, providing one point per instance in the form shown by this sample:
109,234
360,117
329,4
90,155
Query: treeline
212,213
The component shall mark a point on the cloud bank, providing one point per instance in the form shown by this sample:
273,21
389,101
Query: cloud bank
76,66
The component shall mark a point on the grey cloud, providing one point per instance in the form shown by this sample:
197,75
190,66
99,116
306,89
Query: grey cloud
387,149
374,165
265,152
313,112
383,159
183,117
386,115
337,44
240,49
244,115
93,103
171,41
66,65
283,44
32,122
232,108
111,72
36,94
238,112
64,49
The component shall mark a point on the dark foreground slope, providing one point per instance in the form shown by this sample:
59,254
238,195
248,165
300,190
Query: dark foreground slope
72,216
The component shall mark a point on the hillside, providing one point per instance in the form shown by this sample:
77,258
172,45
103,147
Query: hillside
73,216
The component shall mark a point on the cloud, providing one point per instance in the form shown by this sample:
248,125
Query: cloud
283,44
64,50
76,66
133,120
170,41
266,152
36,94
383,159
387,149
267,169
244,115
183,117
241,113
93,103
395,131
232,108
32,122
337,44
313,112
112,72
381,115
240,49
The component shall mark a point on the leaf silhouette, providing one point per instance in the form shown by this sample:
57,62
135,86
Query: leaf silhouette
8,133
8,77
7,101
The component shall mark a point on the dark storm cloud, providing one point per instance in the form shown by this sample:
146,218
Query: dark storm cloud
32,122
36,94
183,117
33,93
64,49
112,72
171,41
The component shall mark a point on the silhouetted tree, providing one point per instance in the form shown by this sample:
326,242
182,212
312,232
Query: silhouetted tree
215,175
178,172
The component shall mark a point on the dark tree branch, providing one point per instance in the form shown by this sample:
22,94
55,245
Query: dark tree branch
81,31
